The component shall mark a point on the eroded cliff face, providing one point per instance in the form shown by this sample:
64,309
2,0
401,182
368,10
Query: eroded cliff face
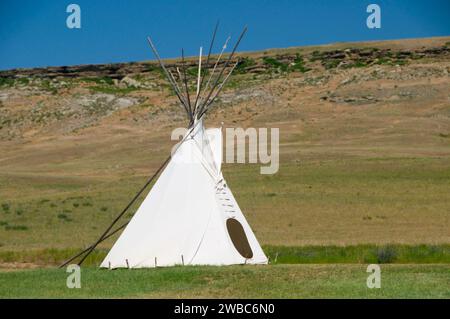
294,59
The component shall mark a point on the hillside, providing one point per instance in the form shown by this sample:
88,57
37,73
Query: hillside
364,145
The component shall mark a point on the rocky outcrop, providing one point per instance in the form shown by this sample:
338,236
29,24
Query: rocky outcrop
296,61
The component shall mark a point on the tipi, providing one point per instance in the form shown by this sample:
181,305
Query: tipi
190,216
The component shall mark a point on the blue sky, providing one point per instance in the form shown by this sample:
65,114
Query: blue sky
34,33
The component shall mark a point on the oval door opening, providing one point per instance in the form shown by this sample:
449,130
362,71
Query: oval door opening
238,237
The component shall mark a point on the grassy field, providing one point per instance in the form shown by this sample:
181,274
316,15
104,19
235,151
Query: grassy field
357,254
364,176
348,201
364,156
274,281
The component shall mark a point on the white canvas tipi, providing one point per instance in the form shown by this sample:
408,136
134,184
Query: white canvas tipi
190,216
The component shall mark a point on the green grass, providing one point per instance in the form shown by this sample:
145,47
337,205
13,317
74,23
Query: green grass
275,65
5,207
244,63
23,81
98,80
6,82
299,65
16,227
106,85
384,60
48,86
380,254
331,64
193,72
358,254
272,281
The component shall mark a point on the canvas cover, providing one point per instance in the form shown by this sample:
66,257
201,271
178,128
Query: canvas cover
183,219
